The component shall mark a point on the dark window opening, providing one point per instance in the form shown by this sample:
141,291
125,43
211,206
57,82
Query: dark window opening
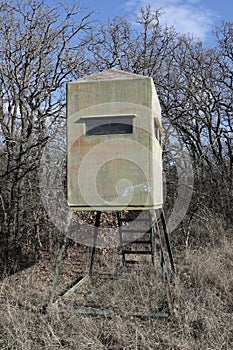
109,126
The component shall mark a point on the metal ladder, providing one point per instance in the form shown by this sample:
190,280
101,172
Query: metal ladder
153,239
146,237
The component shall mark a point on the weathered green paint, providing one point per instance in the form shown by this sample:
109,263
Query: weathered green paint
97,164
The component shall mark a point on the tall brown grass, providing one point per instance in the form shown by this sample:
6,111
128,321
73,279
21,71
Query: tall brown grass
203,300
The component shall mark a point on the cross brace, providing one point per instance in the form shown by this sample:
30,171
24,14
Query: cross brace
155,243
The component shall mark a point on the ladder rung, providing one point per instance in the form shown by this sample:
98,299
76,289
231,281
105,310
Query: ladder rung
136,220
136,242
135,231
145,252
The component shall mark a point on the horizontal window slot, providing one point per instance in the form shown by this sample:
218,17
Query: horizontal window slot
108,125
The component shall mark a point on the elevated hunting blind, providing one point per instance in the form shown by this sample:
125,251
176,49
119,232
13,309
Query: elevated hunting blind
114,156
114,163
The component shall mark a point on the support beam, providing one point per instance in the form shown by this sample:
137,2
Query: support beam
95,233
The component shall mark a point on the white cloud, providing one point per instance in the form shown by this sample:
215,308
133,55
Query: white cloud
188,16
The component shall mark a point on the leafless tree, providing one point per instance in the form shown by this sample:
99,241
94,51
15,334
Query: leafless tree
39,48
42,47
194,84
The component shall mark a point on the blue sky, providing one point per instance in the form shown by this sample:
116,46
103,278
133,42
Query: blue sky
198,17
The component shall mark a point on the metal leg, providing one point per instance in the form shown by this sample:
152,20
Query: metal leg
167,241
159,249
119,215
93,249
152,237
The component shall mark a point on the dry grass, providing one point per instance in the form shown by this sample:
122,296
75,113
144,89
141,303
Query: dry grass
203,295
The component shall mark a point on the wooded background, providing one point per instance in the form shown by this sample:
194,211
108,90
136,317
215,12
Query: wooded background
42,48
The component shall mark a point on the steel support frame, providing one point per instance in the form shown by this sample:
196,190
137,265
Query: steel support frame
157,242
